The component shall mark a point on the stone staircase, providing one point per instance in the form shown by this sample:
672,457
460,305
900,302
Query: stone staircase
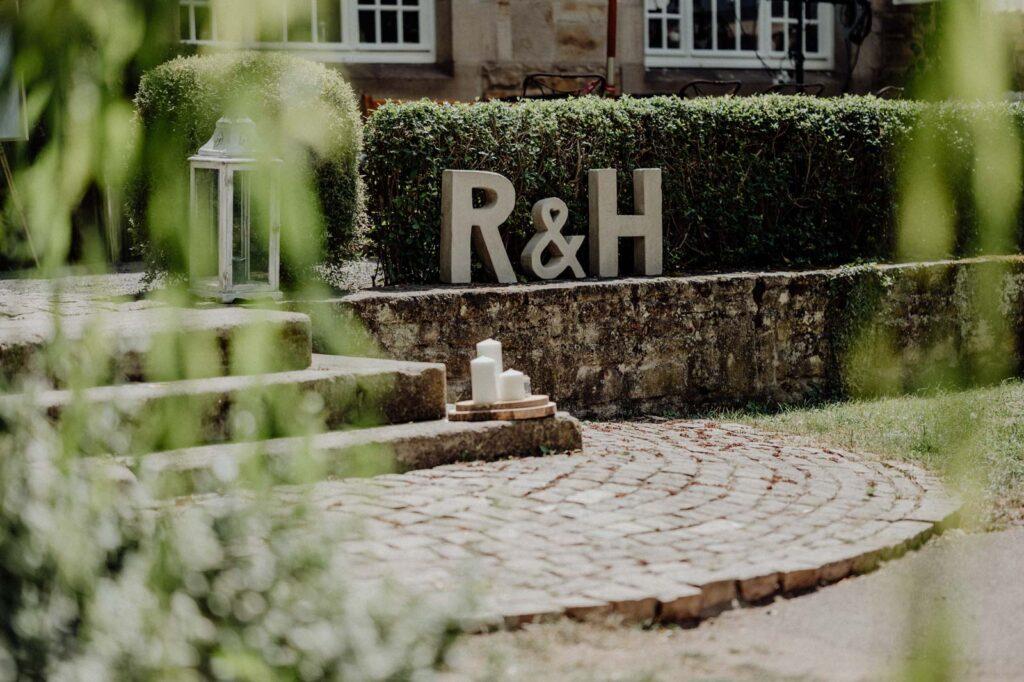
207,392
143,341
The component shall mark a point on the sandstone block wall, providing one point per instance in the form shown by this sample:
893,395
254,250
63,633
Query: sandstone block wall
616,347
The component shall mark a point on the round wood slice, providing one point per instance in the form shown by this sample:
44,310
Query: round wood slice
531,401
514,414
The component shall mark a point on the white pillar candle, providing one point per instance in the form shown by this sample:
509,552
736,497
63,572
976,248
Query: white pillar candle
511,386
489,348
484,377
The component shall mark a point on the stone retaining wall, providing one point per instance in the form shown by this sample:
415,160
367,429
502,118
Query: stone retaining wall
615,347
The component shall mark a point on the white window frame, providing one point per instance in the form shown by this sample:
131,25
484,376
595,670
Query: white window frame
686,56
350,49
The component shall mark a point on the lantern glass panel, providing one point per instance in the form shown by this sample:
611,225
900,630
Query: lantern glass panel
203,238
251,228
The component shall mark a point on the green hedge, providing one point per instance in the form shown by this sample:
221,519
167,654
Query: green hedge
759,182
298,101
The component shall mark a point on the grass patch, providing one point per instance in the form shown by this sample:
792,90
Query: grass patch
975,438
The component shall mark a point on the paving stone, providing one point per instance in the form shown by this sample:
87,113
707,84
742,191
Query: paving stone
758,584
631,604
776,515
834,571
681,605
798,576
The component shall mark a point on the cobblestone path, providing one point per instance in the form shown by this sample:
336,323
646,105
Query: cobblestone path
666,520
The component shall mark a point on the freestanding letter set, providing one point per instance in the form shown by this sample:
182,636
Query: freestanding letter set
466,228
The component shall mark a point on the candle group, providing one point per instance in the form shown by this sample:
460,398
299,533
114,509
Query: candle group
490,382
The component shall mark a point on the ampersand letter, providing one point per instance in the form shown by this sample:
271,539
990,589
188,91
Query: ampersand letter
549,217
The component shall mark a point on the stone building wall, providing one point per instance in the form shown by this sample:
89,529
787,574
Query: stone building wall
486,47
888,53
608,348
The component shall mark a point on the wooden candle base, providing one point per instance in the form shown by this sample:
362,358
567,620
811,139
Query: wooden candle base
533,407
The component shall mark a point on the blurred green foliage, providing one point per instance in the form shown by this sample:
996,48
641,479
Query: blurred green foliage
101,576
306,113
101,581
79,62
957,170
978,172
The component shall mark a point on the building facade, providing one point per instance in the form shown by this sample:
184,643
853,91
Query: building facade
470,49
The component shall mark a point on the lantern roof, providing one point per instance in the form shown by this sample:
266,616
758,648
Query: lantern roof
232,139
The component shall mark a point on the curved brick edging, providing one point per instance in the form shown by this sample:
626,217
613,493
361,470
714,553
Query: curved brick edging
652,521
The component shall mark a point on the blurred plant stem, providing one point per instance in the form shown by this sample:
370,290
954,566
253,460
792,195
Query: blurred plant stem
973,70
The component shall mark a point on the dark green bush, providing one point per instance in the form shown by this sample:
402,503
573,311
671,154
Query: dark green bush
761,182
297,104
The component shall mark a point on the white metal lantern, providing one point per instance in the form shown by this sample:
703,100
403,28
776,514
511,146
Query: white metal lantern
234,207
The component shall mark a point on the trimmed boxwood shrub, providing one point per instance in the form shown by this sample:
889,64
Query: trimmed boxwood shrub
179,102
758,182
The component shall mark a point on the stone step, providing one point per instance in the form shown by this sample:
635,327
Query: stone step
361,452
334,393
157,343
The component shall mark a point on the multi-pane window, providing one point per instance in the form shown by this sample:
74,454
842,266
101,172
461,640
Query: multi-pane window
196,20
725,25
784,28
742,33
390,22
664,24
358,30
